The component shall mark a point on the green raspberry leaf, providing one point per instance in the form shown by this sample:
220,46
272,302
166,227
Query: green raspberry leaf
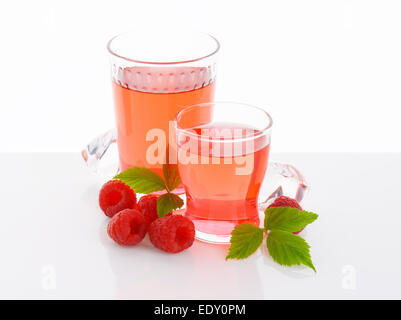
142,180
245,240
171,176
288,219
288,249
167,203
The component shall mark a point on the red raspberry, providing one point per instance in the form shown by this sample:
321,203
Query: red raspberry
148,206
116,196
284,201
172,233
128,227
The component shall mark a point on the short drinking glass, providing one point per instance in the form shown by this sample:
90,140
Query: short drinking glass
222,152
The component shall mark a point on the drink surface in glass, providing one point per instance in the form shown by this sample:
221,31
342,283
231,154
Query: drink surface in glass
154,76
223,151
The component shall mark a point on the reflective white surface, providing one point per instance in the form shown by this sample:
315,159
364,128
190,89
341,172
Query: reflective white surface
53,240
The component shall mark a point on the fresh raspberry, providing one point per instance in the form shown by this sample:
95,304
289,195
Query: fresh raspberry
116,196
128,227
284,201
172,233
148,206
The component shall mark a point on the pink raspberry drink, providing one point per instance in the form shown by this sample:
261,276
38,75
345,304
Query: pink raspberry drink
222,165
154,76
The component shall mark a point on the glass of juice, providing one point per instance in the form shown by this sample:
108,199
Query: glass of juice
222,151
154,76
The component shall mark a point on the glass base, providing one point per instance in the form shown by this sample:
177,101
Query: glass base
220,231
212,238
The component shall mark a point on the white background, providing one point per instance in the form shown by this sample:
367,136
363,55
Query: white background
329,72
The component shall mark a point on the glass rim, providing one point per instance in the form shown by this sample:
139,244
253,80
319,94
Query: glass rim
187,131
112,52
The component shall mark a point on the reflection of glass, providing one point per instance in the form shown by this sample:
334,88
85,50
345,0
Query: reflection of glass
223,150
154,76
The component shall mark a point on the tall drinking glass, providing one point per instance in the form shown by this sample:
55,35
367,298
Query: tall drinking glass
154,76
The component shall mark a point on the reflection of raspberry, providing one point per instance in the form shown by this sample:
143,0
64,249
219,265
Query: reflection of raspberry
172,233
284,201
148,206
116,196
128,227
